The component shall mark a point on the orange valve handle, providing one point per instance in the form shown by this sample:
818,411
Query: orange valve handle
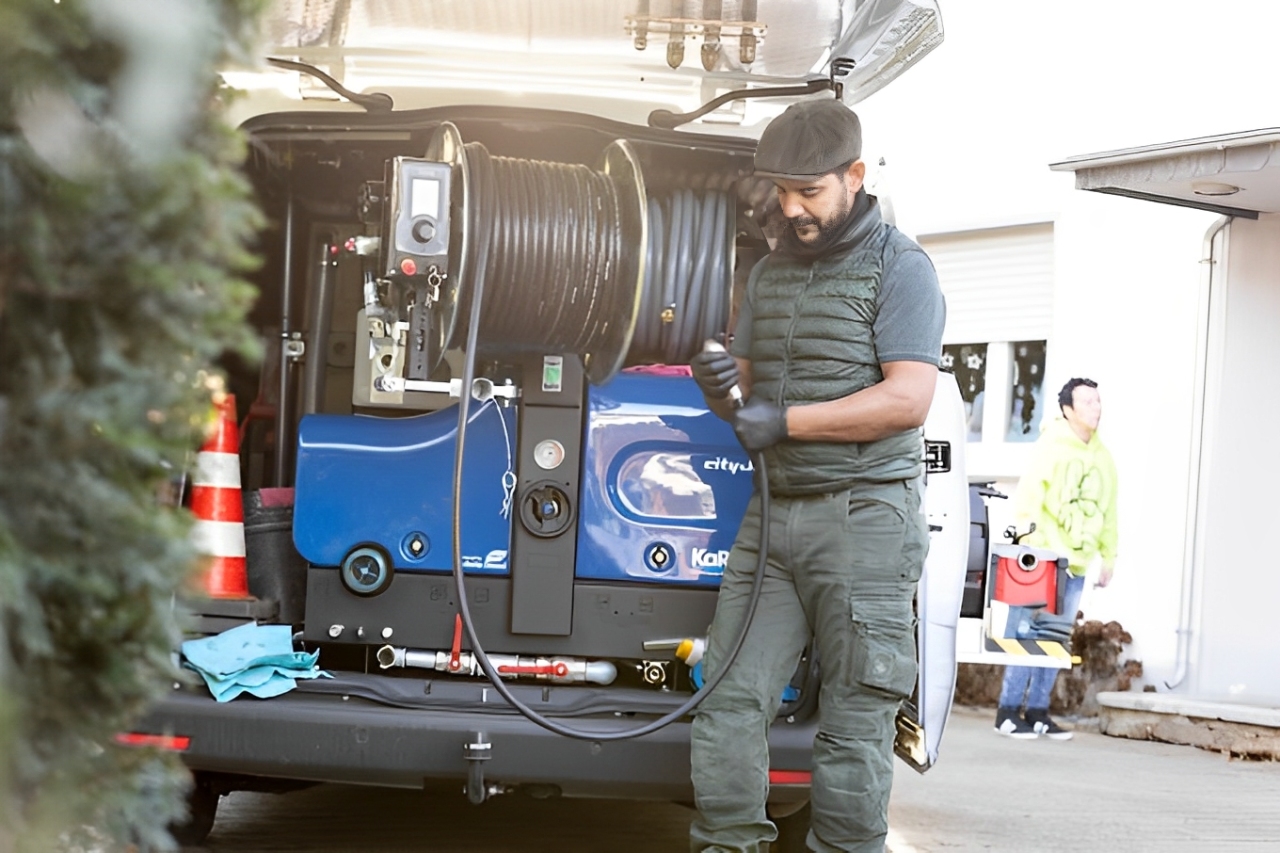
455,650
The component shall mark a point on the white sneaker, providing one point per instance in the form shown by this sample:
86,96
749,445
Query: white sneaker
1044,725
1010,724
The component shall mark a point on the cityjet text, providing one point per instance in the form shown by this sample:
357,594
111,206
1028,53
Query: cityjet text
720,463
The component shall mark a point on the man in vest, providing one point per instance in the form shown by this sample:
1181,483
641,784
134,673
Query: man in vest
836,351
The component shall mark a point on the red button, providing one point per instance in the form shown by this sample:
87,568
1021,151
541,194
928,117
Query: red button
408,267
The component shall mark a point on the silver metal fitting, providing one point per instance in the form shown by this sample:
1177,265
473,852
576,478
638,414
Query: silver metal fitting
558,670
653,671
294,347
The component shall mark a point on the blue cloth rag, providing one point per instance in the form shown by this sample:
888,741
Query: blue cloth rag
250,658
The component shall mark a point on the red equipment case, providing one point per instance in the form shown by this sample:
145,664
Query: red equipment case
1026,576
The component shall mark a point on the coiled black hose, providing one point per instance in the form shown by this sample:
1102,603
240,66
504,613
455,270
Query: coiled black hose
558,255
553,240
688,275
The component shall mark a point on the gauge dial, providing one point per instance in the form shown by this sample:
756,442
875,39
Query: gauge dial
548,453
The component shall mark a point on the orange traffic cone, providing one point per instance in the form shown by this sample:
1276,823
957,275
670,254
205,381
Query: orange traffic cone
215,501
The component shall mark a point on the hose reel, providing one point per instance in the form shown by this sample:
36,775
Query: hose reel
563,245
572,259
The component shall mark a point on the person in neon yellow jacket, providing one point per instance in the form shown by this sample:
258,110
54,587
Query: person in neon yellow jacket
1069,492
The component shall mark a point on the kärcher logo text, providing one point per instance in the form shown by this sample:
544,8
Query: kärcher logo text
705,559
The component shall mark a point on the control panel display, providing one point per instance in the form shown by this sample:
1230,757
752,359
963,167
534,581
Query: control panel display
425,198
418,217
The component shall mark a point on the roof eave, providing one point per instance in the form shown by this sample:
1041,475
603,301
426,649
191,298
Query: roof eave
1168,172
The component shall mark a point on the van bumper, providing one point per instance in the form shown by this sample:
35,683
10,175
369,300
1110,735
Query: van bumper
347,739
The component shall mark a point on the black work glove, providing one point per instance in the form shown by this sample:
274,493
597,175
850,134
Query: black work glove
715,373
760,424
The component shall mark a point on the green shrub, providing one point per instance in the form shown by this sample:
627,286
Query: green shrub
124,230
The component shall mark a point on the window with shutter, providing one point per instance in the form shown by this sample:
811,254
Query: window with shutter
999,288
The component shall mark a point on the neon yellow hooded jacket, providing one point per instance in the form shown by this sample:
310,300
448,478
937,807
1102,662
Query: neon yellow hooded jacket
1069,491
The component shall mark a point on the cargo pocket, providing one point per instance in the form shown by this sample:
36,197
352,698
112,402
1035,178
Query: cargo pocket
879,525
882,533
884,652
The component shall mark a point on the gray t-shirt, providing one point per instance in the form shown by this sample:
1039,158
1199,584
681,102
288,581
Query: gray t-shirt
910,312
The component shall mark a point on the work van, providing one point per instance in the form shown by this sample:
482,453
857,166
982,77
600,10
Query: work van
497,234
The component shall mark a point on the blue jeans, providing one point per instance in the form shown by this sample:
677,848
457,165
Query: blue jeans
1035,683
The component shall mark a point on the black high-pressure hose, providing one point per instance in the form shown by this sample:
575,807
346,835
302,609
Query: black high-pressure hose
686,273
484,187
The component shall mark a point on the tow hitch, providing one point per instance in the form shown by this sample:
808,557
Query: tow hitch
477,752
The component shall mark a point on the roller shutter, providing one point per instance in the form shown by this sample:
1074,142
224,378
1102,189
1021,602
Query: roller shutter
998,282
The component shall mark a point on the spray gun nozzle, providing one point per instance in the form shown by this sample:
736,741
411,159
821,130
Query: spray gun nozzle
735,393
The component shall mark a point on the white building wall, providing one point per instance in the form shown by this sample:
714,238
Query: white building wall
1128,283
1129,280
1239,582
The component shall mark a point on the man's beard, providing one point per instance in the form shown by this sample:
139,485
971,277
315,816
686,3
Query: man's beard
829,229
834,233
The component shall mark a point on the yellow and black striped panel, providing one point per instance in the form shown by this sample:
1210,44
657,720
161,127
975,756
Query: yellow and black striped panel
1030,647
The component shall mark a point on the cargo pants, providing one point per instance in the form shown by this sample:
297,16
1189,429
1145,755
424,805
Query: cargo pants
842,568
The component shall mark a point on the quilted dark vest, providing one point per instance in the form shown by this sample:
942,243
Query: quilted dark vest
811,341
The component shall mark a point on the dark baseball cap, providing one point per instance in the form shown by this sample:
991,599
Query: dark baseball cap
809,139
